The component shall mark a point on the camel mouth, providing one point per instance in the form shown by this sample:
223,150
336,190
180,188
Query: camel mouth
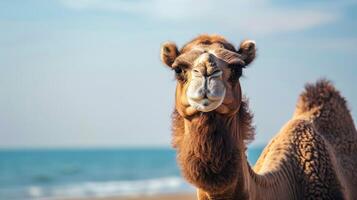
205,104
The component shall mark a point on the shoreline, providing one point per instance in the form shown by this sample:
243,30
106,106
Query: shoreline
175,196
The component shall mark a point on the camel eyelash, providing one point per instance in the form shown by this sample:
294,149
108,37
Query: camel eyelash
178,70
236,72
180,73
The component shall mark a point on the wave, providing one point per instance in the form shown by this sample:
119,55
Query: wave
42,178
70,170
111,188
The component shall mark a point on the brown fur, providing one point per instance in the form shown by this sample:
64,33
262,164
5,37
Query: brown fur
169,53
314,156
208,40
329,106
247,50
209,155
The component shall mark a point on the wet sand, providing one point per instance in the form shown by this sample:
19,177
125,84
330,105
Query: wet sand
154,197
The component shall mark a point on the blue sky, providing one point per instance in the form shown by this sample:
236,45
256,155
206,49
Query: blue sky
86,73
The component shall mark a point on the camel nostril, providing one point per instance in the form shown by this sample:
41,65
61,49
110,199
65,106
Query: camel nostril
205,102
203,93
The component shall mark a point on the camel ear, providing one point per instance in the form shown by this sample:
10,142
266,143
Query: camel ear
169,53
247,50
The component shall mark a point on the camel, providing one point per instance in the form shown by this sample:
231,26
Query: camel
314,156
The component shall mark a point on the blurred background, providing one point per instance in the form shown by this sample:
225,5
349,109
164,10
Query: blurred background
85,102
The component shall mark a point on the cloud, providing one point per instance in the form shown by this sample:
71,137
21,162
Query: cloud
259,17
339,45
161,9
106,5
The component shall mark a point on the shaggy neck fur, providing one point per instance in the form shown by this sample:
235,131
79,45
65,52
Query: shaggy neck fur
211,152
312,156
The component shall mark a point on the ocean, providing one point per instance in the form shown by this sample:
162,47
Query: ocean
69,173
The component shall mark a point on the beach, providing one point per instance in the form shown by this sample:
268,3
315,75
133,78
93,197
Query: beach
94,174
183,196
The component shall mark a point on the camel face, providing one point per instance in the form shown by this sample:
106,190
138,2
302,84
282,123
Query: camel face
207,78
207,71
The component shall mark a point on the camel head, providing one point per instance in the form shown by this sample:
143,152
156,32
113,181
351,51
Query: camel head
207,70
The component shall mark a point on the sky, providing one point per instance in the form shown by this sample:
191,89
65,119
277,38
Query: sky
87,73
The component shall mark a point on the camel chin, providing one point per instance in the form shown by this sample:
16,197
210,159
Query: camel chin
205,105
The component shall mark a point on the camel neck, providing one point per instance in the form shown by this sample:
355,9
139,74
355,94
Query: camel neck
211,152
212,156
267,185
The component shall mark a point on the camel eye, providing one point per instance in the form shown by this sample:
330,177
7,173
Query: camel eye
179,73
236,73
178,70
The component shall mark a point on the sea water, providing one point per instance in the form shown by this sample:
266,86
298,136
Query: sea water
67,173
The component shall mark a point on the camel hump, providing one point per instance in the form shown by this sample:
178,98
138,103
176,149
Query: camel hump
327,109
321,95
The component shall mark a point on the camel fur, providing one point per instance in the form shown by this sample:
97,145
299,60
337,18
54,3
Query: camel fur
314,156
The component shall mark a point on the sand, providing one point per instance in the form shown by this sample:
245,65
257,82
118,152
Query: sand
156,197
